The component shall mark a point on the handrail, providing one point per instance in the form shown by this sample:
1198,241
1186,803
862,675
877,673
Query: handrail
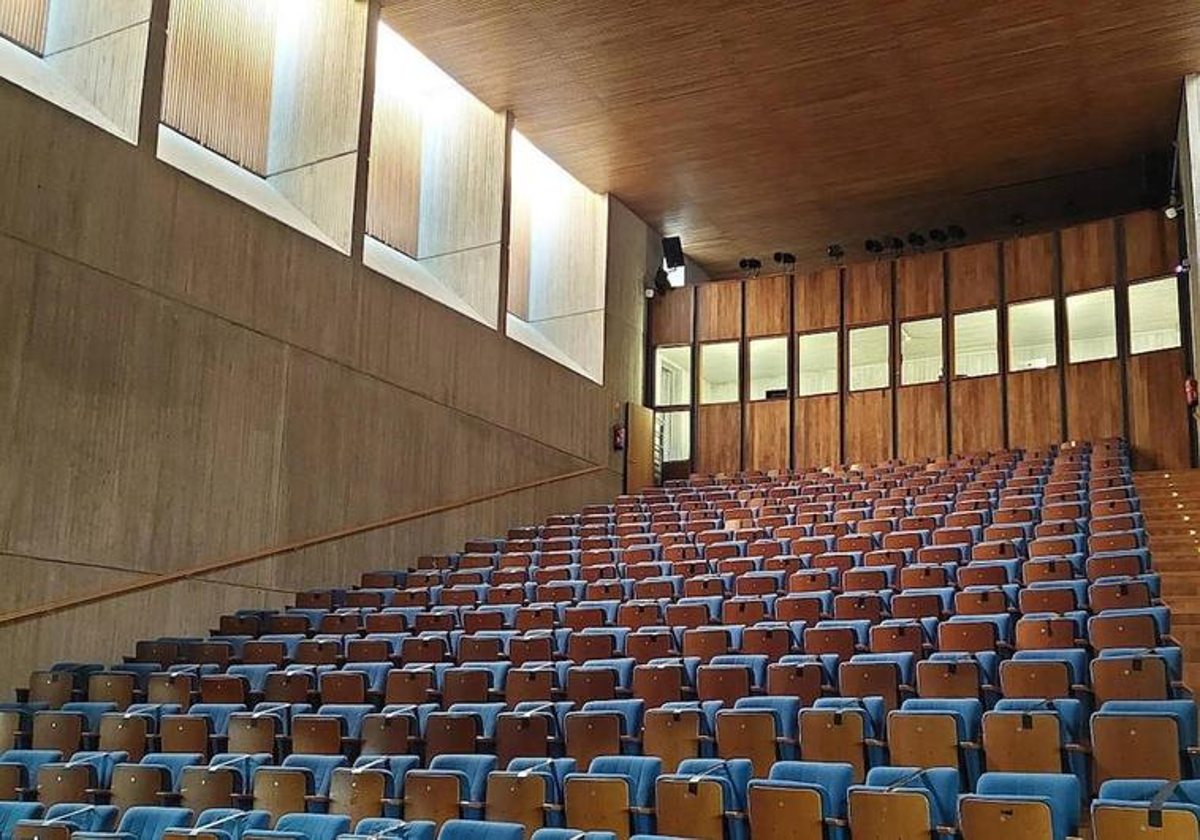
273,551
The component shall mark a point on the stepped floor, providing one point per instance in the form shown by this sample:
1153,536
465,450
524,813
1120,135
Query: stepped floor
1171,507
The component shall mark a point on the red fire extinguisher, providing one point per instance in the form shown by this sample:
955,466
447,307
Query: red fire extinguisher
618,437
1192,391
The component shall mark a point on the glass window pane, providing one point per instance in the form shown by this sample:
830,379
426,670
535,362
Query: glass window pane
817,364
673,376
1154,315
674,435
869,358
976,345
1031,335
768,367
719,381
1091,326
921,351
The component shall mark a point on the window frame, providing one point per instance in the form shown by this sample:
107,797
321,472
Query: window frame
899,373
1001,342
691,375
1179,315
1053,300
1111,291
699,397
687,414
787,385
891,370
837,362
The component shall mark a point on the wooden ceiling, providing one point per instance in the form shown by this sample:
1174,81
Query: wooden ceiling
756,126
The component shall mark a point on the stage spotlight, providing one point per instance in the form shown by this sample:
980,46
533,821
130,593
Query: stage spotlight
672,252
750,266
895,243
785,260
873,246
956,233
937,236
835,251
662,283
916,240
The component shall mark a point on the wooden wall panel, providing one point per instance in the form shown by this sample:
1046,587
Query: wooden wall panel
868,426
218,77
1089,256
720,311
974,274
1034,408
919,285
24,21
394,177
718,447
1094,400
1151,245
976,415
868,293
921,421
819,300
1158,418
818,432
671,317
1029,265
767,302
767,444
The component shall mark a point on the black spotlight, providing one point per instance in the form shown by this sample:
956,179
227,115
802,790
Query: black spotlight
956,233
894,243
785,260
873,246
835,251
750,266
673,251
661,285
916,240
937,236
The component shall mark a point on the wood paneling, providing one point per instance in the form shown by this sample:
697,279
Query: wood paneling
868,426
921,421
919,285
1158,417
182,378
767,302
819,300
976,415
1094,400
868,293
974,276
767,445
1089,256
1029,265
740,134
720,313
718,447
818,432
639,451
1034,408
671,317
24,21
219,72
1151,245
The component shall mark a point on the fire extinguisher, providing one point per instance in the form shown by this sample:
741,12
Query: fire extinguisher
1192,391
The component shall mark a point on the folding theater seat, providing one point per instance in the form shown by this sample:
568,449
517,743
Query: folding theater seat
800,799
676,732
302,826
704,798
330,731
1046,673
202,729
374,828
142,823
1036,736
474,830
937,733
950,674
600,679
1146,627
19,771
395,729
1146,808
616,794
604,727
150,780
1144,739
528,792
730,677
219,783
844,730
462,729
1005,805
886,675
903,802
1135,673
761,729
11,813
59,822
532,729
452,787
76,779
289,787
